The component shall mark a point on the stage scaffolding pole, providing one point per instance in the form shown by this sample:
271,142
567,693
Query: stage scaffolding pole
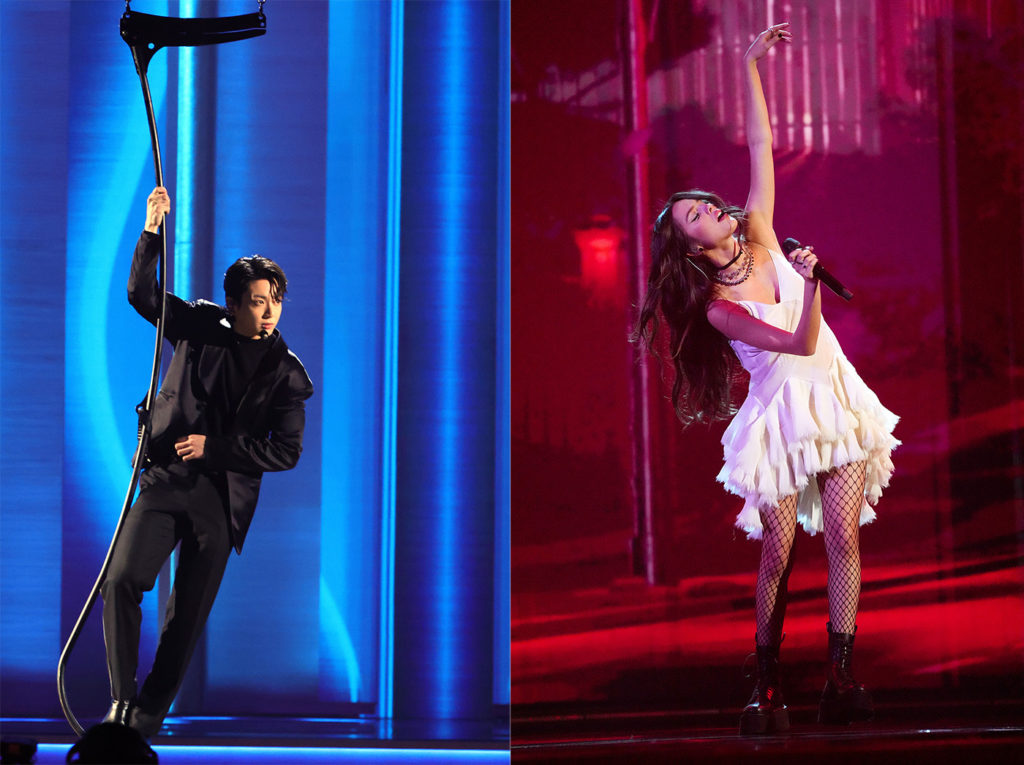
634,104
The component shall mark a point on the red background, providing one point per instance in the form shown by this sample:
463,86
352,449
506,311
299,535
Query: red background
899,144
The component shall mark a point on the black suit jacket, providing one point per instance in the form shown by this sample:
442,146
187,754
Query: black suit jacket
266,433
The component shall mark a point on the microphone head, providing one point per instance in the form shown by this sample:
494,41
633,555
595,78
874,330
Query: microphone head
790,244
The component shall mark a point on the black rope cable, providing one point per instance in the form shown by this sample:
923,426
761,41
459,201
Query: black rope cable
145,35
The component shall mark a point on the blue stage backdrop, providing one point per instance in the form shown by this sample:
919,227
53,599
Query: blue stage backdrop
363,145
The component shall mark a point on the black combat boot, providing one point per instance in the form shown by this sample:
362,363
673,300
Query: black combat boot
844,700
766,712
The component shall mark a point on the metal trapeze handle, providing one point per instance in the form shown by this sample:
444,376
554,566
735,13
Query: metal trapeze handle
146,33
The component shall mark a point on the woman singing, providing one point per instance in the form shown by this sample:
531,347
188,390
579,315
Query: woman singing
811,442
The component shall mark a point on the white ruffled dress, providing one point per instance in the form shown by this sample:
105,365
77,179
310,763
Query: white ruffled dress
803,415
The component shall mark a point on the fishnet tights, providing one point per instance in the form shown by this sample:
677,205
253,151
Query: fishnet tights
773,574
842,495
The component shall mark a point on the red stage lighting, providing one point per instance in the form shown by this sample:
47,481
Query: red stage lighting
600,246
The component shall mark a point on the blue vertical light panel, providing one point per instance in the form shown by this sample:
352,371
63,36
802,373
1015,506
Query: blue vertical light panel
503,378
32,220
355,223
269,196
185,188
385,674
193,155
446,403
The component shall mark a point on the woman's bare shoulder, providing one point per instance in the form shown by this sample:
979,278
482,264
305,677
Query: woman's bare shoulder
723,306
764,239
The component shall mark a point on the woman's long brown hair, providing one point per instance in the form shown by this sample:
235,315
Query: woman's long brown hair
678,291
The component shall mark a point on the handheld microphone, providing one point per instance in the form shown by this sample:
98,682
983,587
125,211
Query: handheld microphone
819,272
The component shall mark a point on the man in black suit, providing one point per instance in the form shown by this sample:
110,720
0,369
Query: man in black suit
231,407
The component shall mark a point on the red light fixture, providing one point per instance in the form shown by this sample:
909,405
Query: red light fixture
601,267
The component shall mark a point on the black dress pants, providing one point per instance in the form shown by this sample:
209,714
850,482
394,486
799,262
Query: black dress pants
175,505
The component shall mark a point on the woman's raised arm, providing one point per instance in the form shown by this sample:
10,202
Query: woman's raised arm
761,199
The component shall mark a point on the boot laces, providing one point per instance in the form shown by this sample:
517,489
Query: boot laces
842,666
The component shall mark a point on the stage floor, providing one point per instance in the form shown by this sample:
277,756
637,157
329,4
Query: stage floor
305,741
54,754
900,735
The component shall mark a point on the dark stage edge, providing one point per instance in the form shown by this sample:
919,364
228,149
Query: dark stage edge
292,732
55,754
969,733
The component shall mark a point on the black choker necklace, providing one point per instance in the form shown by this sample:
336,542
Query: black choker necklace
739,251
744,270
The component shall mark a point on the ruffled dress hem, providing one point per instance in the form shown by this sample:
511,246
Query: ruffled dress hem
808,427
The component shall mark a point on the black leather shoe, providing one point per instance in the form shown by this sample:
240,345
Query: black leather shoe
119,712
145,723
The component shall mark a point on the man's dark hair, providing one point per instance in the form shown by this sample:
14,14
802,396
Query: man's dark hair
251,269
